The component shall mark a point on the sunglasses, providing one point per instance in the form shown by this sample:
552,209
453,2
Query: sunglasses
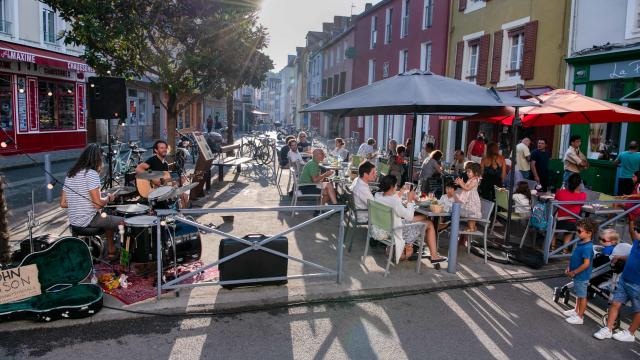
604,241
580,231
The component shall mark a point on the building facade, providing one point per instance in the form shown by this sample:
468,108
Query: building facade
392,37
502,43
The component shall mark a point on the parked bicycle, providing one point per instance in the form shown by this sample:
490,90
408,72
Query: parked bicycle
259,147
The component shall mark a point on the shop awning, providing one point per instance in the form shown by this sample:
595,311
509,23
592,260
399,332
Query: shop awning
22,53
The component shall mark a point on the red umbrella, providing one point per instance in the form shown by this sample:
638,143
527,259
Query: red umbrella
561,106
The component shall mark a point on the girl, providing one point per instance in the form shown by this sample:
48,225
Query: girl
468,196
522,199
396,163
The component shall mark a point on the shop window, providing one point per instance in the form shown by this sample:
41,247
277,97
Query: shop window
6,103
56,104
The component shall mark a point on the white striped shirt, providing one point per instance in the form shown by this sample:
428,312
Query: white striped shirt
80,207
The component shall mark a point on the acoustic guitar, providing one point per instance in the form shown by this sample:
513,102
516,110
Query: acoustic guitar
145,186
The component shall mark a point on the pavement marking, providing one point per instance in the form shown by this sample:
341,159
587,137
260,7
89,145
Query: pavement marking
195,323
188,347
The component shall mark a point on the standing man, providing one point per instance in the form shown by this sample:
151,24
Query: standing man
361,191
218,125
523,156
209,123
540,164
629,162
574,159
311,175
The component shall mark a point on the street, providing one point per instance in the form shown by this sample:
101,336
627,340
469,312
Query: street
20,182
507,321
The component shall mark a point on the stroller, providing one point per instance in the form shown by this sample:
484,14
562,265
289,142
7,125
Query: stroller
604,277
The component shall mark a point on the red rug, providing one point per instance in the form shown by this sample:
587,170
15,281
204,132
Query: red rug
143,286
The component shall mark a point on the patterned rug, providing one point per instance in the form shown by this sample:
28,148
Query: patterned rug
142,284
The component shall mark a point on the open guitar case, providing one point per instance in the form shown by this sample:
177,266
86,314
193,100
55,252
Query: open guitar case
61,268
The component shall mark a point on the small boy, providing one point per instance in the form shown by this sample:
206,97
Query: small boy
579,269
447,199
609,238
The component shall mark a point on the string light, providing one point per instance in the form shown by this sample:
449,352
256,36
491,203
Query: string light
50,186
163,223
92,85
69,91
21,91
3,144
103,214
50,93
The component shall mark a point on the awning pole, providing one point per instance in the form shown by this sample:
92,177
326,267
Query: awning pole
512,174
413,144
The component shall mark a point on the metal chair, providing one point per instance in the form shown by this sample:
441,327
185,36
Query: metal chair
297,193
383,169
355,161
382,217
502,207
485,222
351,218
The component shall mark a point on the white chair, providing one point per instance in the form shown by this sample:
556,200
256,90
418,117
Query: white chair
485,222
297,193
382,217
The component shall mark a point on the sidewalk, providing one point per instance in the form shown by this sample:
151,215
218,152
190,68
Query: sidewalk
316,243
21,161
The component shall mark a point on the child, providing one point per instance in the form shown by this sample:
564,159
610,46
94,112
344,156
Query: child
522,199
468,196
579,269
448,198
635,195
609,238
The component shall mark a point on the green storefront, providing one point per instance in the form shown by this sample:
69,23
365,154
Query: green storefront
613,76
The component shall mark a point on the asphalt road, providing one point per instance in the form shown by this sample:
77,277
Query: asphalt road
509,321
21,181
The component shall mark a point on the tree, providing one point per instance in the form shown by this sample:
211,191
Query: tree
186,49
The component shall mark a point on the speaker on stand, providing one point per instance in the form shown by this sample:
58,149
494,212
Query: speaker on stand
107,100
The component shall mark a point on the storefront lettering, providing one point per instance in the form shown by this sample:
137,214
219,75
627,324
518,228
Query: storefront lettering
616,70
79,67
17,56
57,72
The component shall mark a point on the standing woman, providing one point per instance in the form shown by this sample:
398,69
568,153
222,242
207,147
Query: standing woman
81,196
391,148
476,149
494,171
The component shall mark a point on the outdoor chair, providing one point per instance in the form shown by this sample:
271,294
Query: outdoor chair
381,220
484,222
502,207
279,178
297,193
355,161
351,218
383,169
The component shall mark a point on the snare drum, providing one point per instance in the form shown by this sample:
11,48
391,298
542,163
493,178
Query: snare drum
140,232
128,211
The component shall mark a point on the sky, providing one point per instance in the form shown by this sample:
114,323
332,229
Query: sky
288,22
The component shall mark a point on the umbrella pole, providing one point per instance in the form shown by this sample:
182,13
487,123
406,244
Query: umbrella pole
413,145
512,173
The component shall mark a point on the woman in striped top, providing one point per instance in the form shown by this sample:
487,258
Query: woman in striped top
81,196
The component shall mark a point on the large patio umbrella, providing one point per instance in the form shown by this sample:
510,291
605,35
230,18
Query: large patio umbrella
416,92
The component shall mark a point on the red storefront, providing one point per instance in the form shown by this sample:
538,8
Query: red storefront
42,100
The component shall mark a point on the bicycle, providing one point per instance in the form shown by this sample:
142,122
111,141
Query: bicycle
121,163
258,147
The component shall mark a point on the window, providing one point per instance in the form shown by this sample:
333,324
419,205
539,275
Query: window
404,57
516,50
428,14
425,57
48,25
346,47
337,54
374,32
372,71
330,58
56,104
405,19
325,60
473,60
330,87
5,16
633,19
388,26
6,103
473,5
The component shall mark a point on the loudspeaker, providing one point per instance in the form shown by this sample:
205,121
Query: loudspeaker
107,98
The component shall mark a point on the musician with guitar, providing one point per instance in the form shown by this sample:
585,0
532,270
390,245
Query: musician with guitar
157,162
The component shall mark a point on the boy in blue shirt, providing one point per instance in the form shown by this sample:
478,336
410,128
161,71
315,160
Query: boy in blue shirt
579,269
628,289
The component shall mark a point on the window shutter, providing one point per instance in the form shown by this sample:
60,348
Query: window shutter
529,53
462,4
496,61
483,59
459,55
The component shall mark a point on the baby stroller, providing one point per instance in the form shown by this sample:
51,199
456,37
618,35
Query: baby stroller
604,277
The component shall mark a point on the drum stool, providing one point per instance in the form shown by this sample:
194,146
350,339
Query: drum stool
91,237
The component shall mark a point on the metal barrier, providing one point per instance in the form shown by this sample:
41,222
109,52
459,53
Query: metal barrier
551,218
251,246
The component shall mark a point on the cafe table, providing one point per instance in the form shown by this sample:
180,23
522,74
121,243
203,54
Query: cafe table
597,209
424,210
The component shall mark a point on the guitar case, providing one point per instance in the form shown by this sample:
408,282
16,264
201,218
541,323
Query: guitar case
61,268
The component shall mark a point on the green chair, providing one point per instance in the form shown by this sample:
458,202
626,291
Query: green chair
383,169
355,160
382,217
502,207
351,218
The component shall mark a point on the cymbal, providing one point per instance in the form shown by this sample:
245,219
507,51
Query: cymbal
121,190
183,189
150,175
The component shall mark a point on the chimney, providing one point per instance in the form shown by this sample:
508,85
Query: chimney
368,6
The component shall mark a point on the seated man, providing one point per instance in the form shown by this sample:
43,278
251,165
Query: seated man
311,174
81,196
361,191
158,162
367,150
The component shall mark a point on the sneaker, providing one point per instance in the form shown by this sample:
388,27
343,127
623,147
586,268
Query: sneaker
624,335
575,320
603,333
570,313
439,260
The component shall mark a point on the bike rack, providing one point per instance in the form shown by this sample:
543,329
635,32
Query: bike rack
557,253
177,216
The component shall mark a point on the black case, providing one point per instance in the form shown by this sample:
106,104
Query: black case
255,263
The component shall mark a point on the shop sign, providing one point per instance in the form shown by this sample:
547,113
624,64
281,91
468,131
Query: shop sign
22,105
17,56
32,103
19,283
56,72
79,67
80,106
615,70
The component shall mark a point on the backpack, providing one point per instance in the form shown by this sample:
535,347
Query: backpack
539,217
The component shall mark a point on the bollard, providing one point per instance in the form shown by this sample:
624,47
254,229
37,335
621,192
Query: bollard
47,177
453,239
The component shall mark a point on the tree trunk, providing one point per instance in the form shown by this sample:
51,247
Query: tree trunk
172,121
230,118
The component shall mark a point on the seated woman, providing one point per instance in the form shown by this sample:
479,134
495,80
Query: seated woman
339,151
566,221
522,199
391,148
81,196
405,214
431,168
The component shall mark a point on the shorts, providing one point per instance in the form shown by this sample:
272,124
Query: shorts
110,222
310,190
580,288
566,225
627,291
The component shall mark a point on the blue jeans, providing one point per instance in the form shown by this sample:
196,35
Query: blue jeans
626,291
526,175
565,179
580,288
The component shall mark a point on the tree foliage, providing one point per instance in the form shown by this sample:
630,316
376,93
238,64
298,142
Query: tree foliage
185,48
